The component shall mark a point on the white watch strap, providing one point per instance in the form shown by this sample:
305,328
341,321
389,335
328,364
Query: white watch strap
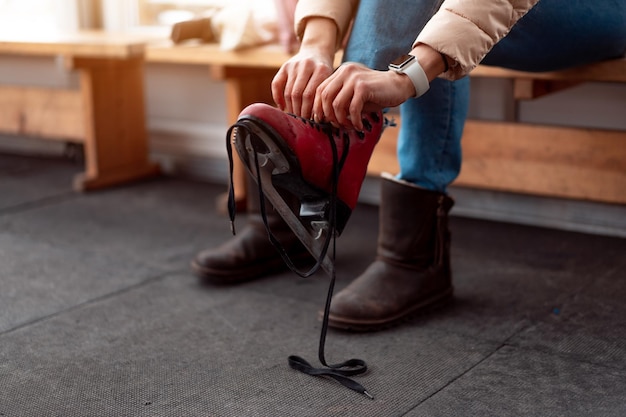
418,77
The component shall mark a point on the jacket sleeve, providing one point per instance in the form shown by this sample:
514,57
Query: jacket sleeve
466,30
340,11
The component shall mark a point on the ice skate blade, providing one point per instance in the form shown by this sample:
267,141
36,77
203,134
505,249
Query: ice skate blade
277,162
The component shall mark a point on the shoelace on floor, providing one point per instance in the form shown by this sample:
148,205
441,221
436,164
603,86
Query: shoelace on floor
340,372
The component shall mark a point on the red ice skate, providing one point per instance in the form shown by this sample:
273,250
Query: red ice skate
311,172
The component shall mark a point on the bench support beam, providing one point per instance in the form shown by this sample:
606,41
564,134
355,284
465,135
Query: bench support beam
116,140
584,164
244,86
43,112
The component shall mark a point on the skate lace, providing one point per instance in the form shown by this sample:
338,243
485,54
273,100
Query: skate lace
331,133
340,372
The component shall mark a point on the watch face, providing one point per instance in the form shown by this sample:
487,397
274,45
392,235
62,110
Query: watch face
401,61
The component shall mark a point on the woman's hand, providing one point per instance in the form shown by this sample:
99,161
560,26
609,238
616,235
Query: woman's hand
353,89
294,86
307,86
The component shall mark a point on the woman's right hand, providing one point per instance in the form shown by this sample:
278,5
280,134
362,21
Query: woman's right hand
293,87
295,83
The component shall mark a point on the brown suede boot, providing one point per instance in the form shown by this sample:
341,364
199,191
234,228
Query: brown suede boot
250,254
412,267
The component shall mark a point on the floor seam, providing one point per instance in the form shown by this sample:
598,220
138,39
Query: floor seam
39,203
90,302
564,357
503,344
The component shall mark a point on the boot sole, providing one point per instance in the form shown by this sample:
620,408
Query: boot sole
230,277
286,175
432,303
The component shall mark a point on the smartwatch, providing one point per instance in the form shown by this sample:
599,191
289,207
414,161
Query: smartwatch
408,65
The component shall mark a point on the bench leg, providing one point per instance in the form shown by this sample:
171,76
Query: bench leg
243,87
116,140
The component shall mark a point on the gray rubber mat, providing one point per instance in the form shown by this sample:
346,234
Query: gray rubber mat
101,316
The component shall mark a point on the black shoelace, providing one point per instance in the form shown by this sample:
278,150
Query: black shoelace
340,372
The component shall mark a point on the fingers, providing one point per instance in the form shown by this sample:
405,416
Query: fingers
299,92
306,87
308,96
278,87
356,113
294,86
340,99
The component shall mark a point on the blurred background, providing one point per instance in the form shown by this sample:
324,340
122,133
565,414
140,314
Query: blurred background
187,118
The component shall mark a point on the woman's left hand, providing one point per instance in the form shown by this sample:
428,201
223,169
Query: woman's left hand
353,88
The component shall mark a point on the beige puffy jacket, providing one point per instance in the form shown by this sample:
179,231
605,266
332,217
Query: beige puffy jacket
464,30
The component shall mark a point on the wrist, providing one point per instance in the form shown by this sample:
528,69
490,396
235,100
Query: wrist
430,60
410,69
404,83
320,34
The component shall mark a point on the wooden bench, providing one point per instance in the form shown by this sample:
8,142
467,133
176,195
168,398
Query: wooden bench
106,113
555,161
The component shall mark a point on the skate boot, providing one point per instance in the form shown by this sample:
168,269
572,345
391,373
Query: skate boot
310,172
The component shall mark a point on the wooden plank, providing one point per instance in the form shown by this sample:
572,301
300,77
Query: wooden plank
611,70
578,163
553,161
261,57
82,43
269,56
42,112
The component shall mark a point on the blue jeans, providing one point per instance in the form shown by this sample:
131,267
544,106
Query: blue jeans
555,34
